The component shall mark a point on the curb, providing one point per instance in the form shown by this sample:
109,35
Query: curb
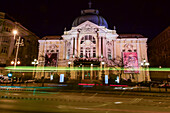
48,99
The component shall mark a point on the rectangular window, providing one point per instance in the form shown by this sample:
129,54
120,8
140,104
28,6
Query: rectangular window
94,54
109,57
68,56
4,50
81,55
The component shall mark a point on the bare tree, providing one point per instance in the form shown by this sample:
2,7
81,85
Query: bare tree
118,65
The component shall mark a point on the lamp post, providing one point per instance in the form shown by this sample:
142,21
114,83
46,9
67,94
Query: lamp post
18,43
35,62
13,63
145,65
69,63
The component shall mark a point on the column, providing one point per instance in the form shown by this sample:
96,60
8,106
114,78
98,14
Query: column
99,47
64,50
91,52
138,51
45,49
91,72
82,72
114,48
104,47
71,49
76,52
84,52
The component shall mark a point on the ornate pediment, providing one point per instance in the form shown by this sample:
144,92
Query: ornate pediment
88,28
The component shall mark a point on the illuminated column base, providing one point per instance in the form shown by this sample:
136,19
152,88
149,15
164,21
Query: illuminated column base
82,72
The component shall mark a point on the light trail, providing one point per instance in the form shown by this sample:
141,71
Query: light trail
50,69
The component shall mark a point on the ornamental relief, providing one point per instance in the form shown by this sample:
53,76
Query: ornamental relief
129,47
109,43
88,29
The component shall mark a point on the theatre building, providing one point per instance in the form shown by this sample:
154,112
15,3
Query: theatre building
94,50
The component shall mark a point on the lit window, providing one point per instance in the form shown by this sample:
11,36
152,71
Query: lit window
68,54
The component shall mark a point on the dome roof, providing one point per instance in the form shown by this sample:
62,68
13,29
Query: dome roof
92,16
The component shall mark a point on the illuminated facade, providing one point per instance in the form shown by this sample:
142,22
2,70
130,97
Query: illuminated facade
90,44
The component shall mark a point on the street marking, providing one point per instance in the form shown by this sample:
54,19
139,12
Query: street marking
93,95
136,100
118,102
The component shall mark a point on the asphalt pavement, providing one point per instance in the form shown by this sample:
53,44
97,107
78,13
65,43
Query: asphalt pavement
82,102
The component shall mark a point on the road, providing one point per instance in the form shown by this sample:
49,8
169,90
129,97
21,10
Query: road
72,102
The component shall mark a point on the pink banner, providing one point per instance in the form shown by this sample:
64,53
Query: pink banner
130,61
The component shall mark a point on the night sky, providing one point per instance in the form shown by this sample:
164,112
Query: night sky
50,17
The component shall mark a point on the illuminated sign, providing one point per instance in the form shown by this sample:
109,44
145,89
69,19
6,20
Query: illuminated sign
9,74
51,77
117,79
61,77
106,79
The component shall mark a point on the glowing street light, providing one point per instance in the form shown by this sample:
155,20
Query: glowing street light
15,32
13,62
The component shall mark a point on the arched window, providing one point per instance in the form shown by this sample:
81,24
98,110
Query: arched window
82,40
88,43
94,51
68,54
81,52
88,37
109,54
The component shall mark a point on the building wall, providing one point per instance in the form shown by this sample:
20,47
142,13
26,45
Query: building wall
159,54
27,53
105,39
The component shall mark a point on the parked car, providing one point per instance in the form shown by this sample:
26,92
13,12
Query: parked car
6,81
164,85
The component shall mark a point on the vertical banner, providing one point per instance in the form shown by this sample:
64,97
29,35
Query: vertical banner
51,59
106,79
130,61
61,77
51,77
117,79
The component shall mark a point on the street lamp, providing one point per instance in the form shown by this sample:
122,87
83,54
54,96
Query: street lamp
35,62
13,62
18,43
15,32
145,65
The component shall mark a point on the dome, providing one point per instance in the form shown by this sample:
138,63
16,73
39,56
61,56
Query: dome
92,16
